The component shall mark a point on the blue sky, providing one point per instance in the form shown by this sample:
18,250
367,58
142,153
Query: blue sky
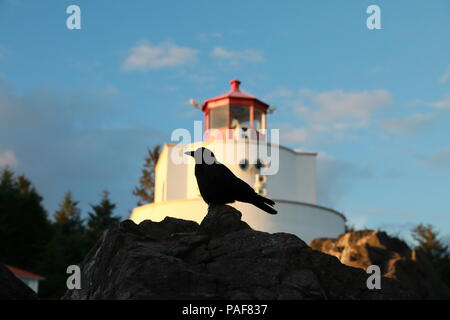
79,107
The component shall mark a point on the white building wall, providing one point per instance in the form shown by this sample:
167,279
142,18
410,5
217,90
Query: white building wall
295,179
177,178
192,190
161,175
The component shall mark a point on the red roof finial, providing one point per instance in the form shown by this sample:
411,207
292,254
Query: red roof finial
235,84
236,94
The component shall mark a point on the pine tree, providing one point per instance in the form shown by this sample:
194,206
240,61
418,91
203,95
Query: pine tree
68,216
69,245
428,241
24,227
24,185
7,179
102,217
146,189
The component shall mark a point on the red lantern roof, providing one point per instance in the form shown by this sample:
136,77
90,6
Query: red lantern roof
235,93
22,273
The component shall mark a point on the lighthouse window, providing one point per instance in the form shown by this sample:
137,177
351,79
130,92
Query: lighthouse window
257,119
219,117
239,115
243,164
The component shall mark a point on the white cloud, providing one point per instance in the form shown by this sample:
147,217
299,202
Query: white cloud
348,109
8,158
293,135
443,103
328,116
146,56
206,36
235,57
409,124
444,78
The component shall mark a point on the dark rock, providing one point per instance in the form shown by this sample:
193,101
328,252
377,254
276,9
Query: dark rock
12,288
221,259
396,260
222,219
167,228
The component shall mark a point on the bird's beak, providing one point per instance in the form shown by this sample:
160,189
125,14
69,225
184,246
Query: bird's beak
189,153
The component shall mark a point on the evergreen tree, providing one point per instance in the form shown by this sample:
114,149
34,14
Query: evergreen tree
102,217
68,216
24,227
7,180
146,189
428,241
68,246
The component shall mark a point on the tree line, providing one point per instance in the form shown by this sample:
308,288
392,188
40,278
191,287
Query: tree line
30,239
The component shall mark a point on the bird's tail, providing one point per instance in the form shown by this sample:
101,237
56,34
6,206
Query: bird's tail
265,200
262,203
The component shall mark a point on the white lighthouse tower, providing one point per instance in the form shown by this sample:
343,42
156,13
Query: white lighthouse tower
235,130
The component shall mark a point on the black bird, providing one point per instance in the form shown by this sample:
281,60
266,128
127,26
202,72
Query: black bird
218,185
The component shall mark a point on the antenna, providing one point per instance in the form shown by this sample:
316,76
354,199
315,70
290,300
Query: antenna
195,104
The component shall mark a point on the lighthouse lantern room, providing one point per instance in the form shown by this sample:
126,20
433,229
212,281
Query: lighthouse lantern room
235,109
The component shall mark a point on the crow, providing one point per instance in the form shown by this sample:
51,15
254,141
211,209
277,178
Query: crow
218,185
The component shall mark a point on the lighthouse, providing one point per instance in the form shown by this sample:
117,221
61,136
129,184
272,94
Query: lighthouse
235,129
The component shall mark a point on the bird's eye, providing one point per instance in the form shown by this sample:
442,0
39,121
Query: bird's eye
243,164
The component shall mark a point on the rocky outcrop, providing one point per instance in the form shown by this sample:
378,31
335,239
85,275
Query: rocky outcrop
396,260
12,288
222,258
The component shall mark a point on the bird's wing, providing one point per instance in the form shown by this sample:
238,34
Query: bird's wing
220,175
229,182
214,183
